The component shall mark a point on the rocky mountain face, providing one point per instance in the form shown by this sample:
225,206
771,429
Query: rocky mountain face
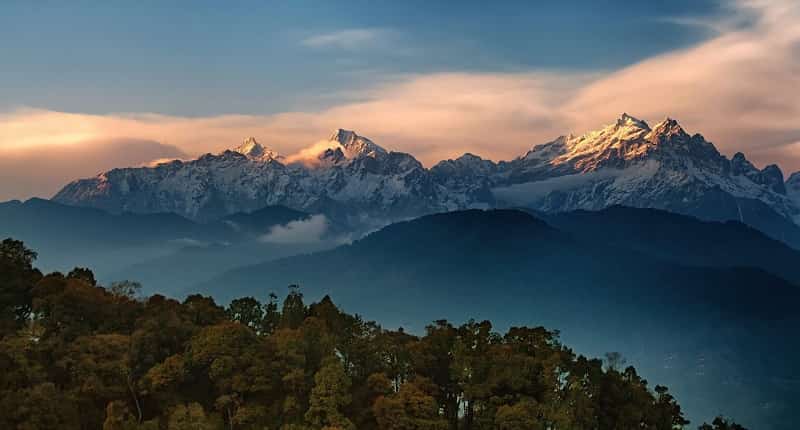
352,178
629,163
793,188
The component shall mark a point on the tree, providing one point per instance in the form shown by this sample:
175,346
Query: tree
17,278
192,416
272,316
164,379
161,330
246,310
98,371
15,252
83,274
614,361
239,365
127,289
294,372
472,367
40,406
294,310
721,423
394,349
119,417
331,393
666,414
433,359
202,310
523,415
411,408
68,308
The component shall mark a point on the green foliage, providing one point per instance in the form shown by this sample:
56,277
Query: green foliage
721,423
17,277
41,406
77,355
119,417
272,316
329,397
294,310
126,289
15,252
413,407
247,311
85,275
192,416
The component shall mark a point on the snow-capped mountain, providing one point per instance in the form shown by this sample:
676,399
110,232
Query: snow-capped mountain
353,178
629,163
253,150
350,177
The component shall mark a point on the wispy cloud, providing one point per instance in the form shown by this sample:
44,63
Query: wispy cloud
42,169
349,39
300,231
737,88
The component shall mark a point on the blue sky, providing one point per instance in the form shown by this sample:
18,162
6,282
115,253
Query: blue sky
208,58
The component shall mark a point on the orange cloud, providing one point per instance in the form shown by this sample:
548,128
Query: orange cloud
43,169
741,89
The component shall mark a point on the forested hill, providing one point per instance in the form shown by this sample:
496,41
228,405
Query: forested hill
76,355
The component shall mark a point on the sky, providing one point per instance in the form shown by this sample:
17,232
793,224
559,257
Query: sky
87,86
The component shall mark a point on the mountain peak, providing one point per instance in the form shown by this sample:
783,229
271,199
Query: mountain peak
469,157
355,145
342,136
626,120
669,126
254,150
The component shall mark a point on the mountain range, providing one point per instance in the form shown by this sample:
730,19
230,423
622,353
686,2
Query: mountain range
353,180
639,239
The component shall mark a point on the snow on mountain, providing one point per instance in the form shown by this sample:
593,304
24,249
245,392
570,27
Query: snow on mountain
355,179
341,147
469,180
209,187
349,176
255,151
355,146
628,163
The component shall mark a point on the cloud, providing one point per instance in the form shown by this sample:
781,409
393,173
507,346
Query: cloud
738,88
42,169
310,156
349,39
526,193
301,231
32,128
190,242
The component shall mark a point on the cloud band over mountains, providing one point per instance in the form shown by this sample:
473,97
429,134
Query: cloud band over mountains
740,88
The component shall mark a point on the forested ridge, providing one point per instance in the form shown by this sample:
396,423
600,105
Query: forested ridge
76,355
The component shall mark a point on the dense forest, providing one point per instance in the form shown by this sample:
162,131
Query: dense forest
76,355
